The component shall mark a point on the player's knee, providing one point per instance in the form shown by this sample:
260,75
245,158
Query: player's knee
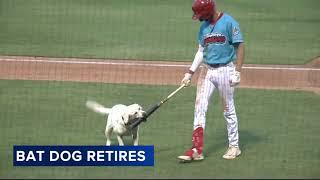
228,113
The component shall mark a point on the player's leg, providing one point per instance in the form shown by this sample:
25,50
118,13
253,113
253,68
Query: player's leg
205,88
227,95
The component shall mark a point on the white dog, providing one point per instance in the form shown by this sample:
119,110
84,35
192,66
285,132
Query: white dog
119,117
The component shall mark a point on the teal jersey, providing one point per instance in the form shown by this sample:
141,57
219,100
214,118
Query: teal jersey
218,40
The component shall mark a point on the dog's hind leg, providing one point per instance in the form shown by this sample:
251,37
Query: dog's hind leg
120,140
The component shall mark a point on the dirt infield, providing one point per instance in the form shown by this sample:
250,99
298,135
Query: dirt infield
298,77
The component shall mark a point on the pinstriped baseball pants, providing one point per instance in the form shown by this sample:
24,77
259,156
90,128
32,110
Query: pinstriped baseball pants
211,79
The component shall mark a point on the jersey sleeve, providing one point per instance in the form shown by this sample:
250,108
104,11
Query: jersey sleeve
235,34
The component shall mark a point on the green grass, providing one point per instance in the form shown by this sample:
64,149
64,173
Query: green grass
279,130
275,31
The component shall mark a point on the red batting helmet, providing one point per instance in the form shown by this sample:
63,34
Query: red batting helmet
203,9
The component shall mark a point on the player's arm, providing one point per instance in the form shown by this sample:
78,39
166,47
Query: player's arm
236,38
235,76
198,58
240,56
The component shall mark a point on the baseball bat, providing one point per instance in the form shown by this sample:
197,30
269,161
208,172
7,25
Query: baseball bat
155,107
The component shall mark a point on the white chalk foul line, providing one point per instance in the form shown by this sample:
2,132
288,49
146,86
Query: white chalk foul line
280,68
147,64
94,62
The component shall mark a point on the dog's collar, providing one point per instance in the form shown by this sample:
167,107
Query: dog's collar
123,121
126,124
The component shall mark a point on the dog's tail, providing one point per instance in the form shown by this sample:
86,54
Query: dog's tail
98,108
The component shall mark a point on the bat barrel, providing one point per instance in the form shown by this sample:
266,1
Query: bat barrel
152,109
148,113
136,123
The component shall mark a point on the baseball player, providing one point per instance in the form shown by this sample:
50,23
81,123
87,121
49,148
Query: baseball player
221,49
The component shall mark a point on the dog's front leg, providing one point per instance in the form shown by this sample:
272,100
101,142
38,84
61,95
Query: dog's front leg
135,137
108,135
120,140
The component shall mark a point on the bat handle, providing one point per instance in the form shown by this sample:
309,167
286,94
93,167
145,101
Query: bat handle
173,93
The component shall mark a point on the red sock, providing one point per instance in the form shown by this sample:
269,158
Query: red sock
197,139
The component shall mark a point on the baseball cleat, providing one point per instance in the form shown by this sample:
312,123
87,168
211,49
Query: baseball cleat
191,155
232,152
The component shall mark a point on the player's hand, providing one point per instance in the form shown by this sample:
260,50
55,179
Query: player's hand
235,78
186,81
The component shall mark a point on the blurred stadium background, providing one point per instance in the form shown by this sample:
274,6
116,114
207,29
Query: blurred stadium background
56,54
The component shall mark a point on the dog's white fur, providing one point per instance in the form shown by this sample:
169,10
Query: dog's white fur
119,116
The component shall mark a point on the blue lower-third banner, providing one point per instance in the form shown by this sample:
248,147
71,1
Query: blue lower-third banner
83,155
